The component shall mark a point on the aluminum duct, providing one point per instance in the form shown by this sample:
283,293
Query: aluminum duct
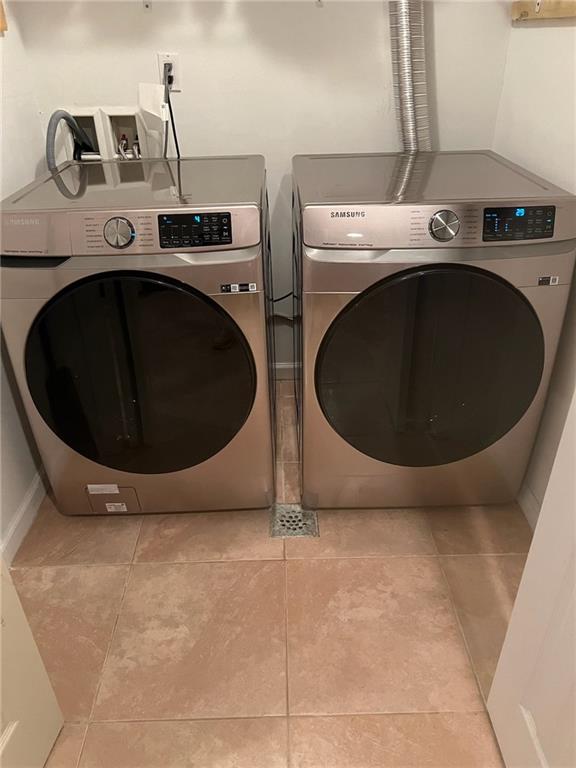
409,73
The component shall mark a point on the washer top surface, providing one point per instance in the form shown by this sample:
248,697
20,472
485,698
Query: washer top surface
426,177
138,206
145,184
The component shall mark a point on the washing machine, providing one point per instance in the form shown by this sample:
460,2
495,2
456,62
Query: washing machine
430,292
135,315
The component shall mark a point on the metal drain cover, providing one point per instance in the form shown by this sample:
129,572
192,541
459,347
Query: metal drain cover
292,520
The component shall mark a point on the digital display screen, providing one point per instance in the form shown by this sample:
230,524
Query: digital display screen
191,230
519,223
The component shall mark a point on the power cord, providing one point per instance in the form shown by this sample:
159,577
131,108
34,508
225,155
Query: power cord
173,127
281,298
168,82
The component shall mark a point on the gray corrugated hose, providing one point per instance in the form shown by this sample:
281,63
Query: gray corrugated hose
81,140
409,73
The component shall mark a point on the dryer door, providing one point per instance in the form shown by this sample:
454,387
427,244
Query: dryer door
430,366
139,372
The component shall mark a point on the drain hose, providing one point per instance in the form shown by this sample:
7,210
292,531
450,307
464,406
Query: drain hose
81,141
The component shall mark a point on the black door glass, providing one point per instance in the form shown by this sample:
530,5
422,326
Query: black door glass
139,372
430,366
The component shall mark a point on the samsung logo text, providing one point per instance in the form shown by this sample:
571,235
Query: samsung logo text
347,214
24,221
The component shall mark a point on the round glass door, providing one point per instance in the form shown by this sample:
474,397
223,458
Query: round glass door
430,365
139,372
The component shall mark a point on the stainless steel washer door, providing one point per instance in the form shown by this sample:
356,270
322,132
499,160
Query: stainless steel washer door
430,366
139,372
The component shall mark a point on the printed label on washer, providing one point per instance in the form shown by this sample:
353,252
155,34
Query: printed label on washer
98,488
238,287
549,280
116,507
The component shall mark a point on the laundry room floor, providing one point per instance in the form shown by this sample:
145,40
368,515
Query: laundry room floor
175,641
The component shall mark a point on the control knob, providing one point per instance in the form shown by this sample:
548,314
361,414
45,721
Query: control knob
444,225
119,232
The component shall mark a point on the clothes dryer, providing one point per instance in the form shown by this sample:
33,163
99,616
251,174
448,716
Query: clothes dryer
430,296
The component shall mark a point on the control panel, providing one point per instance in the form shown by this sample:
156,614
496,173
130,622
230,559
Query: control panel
183,230
458,225
523,223
131,231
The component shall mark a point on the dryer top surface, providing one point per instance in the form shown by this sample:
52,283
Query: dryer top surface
425,177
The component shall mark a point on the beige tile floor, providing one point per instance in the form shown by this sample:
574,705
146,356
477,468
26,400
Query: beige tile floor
181,641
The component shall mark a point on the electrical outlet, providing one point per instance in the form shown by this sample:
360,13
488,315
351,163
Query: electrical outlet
171,58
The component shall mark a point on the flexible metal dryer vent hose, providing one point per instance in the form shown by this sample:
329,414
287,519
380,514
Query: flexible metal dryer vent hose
409,73
81,141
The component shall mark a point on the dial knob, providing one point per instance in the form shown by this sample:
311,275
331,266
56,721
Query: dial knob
119,232
444,225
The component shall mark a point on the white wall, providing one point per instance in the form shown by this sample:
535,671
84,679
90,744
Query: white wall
536,120
467,54
22,150
275,78
536,127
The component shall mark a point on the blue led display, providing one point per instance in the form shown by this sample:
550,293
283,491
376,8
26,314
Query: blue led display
529,222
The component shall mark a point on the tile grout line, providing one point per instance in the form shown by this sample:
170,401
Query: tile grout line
282,484
483,554
362,713
220,561
454,608
287,664
455,611
187,719
391,713
108,649
154,562
288,761
462,632
138,537
81,752
461,626
280,558
298,500
330,558
132,561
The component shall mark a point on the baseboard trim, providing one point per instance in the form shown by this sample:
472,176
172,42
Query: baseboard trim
284,370
529,505
23,518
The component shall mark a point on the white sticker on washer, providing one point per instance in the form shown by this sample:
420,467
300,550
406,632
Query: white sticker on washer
111,488
116,507
549,280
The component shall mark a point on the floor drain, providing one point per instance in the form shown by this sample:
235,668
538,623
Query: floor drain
292,520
